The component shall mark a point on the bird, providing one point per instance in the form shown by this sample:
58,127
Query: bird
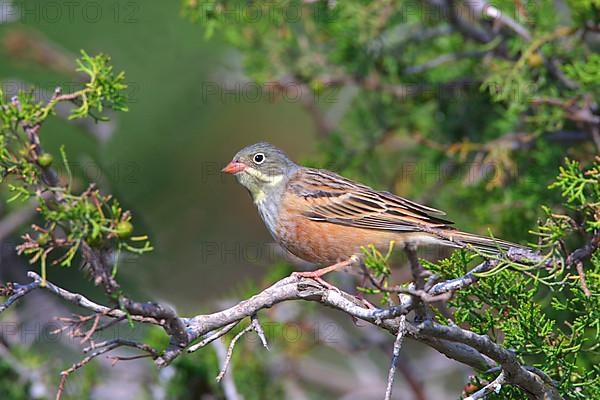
324,218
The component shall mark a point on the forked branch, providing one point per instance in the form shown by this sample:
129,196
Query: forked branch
464,346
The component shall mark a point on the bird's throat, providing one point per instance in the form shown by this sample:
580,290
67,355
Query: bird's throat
270,187
258,196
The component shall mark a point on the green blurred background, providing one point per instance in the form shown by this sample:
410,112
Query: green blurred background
163,156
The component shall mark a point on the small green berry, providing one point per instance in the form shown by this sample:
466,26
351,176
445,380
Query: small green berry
45,160
124,229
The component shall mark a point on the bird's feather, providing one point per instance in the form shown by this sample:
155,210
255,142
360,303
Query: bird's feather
335,199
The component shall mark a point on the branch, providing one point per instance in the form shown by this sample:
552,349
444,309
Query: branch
15,292
532,383
215,325
212,337
463,281
21,290
287,289
483,8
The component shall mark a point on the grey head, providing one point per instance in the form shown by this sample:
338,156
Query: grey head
263,169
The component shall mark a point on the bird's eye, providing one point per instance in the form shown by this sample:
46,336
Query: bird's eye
259,158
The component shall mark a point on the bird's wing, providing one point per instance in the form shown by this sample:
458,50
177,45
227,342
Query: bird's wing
329,197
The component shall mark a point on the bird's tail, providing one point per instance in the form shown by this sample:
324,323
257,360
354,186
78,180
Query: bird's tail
486,245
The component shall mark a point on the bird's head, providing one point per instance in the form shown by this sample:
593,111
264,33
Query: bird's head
261,168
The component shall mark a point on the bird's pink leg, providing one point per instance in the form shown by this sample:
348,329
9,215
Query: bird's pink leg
316,275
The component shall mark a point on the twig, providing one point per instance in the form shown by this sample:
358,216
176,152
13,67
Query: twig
116,359
92,330
581,273
259,331
576,258
104,347
254,326
65,374
463,281
423,295
211,338
493,386
228,384
18,291
122,342
230,351
573,111
395,357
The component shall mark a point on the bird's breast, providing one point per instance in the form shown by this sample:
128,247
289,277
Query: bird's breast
323,242
269,213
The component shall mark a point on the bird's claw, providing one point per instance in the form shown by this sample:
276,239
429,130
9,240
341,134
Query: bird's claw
316,277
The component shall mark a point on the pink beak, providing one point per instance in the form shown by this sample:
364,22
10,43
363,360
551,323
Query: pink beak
234,167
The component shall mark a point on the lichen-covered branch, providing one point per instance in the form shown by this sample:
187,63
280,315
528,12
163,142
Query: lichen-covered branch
464,346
